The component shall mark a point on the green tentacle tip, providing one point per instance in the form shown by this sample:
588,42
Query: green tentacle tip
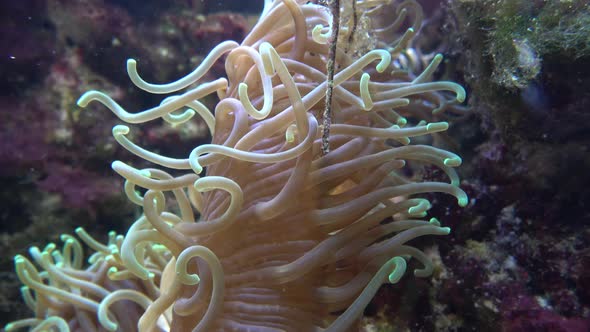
434,221
461,94
189,279
437,126
49,247
131,66
446,230
399,270
145,172
243,90
112,271
119,130
453,162
402,121
463,200
419,209
194,163
83,100
384,63
117,164
414,210
178,119
66,238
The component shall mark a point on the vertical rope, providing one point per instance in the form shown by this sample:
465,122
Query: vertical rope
327,116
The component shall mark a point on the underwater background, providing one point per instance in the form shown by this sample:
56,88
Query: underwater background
518,258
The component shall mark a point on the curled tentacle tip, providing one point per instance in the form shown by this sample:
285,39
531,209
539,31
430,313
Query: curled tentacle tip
198,169
175,120
318,36
452,162
119,130
419,209
247,104
399,270
384,63
188,279
290,133
193,161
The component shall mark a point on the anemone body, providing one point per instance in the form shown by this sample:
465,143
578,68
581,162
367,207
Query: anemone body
260,230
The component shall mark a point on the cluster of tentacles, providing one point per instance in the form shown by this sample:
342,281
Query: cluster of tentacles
258,230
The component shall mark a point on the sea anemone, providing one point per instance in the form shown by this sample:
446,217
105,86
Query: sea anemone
260,230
